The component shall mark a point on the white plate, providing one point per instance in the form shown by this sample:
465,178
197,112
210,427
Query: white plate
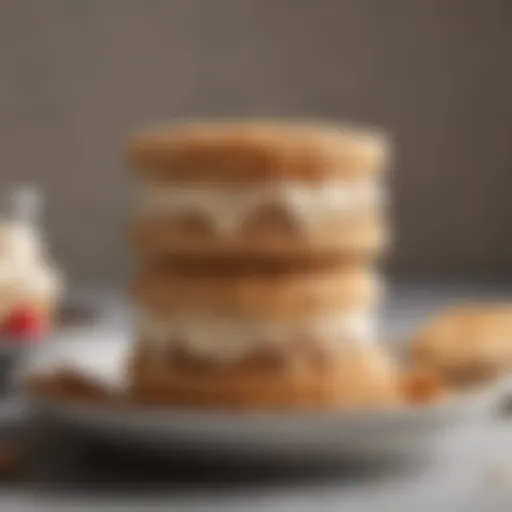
407,431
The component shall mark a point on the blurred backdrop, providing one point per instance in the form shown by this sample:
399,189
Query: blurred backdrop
77,76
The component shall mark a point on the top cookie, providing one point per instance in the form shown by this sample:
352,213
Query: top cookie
256,151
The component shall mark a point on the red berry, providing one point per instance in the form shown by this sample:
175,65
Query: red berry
25,323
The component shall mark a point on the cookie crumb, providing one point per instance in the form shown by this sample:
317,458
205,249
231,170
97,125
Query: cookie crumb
423,386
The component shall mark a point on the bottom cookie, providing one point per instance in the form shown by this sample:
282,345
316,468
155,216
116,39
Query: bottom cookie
363,377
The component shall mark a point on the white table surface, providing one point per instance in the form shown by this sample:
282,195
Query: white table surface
75,473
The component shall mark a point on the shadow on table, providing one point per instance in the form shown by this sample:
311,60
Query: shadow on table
67,462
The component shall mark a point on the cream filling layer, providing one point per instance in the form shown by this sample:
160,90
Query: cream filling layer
228,207
224,339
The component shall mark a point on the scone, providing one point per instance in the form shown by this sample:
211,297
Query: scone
220,337
256,241
281,291
260,189
466,344
230,316
360,376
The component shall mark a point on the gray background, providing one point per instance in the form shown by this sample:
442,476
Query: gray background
78,76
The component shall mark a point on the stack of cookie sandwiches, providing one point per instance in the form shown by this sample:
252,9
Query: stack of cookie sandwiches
257,243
